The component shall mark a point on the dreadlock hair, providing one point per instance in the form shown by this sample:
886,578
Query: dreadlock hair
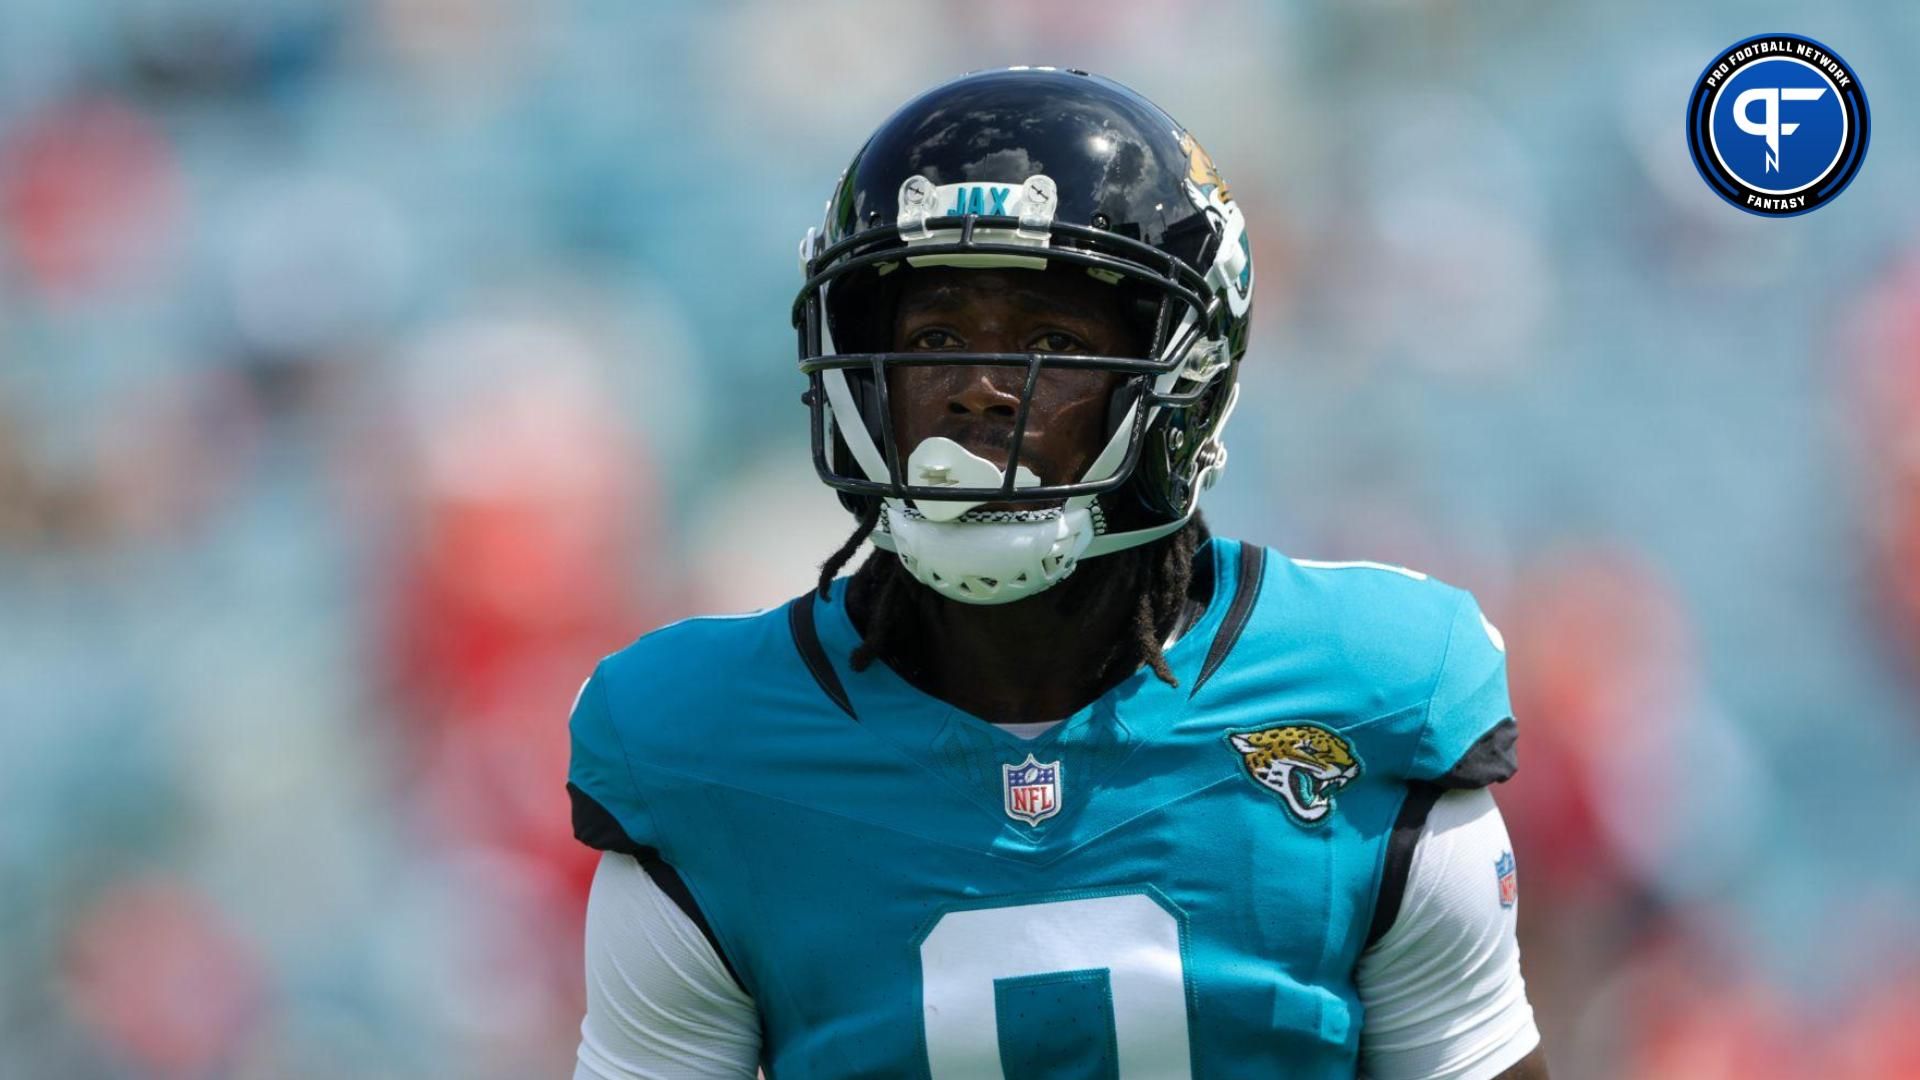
1158,574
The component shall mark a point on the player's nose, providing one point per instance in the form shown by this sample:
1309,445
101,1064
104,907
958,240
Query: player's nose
986,393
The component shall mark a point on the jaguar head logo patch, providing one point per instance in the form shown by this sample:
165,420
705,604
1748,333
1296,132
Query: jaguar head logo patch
1304,764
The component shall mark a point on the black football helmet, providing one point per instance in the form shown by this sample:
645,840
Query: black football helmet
1033,167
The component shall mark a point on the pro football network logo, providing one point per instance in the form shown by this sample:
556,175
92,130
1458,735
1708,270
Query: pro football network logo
1032,789
1509,882
1778,125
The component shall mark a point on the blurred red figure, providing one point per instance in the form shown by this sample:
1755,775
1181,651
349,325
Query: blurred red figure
1600,667
1690,1012
1886,406
1879,1038
154,971
88,192
524,525
1602,659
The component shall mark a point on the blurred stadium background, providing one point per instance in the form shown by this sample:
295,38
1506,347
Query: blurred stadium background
368,369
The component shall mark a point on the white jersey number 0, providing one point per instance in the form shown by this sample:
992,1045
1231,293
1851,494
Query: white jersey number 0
1132,938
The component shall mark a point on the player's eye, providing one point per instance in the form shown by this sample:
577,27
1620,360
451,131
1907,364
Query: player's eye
1058,341
933,339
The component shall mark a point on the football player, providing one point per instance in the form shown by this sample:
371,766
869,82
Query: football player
1057,783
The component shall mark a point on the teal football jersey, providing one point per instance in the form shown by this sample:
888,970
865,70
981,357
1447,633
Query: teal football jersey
1176,881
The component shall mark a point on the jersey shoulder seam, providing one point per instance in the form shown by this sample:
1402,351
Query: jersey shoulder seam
1440,669
626,757
1360,564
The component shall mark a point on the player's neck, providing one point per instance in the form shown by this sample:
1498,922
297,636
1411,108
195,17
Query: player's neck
1038,659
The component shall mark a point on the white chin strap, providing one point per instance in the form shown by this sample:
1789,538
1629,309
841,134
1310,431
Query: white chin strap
981,556
992,556
988,561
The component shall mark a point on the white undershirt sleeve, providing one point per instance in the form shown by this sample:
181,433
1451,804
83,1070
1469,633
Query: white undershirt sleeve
1442,988
660,1004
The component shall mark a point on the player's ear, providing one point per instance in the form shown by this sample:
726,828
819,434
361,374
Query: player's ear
1244,744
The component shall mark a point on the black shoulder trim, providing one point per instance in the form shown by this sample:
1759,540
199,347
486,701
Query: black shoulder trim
670,883
1246,589
806,638
595,826
1405,837
1490,760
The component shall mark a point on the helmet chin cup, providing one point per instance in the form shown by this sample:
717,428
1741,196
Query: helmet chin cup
941,462
988,562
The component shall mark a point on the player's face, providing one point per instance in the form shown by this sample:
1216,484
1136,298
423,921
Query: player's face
1008,311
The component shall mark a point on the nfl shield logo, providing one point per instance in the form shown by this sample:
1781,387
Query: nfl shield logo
1509,883
1033,790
